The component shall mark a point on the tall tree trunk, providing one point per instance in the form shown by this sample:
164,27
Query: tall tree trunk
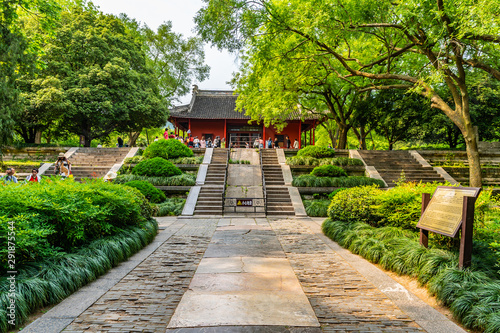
38,137
132,138
343,130
475,176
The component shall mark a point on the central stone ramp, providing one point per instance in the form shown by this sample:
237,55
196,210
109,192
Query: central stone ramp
244,279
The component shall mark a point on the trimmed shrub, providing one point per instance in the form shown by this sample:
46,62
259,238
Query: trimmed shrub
156,167
62,214
312,161
180,180
316,151
149,191
170,148
313,181
50,281
328,171
354,205
188,160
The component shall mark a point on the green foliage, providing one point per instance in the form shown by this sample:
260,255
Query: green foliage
316,208
313,181
171,148
171,207
133,160
65,214
334,193
308,160
49,281
328,171
156,149
156,167
238,161
188,160
180,180
316,152
149,191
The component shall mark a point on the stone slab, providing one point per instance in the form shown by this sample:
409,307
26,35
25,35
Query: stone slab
245,282
244,265
237,309
207,158
287,174
202,174
190,204
48,325
246,329
298,206
280,153
244,175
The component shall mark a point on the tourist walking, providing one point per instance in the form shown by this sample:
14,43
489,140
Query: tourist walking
62,166
296,144
256,143
203,143
276,143
120,142
269,143
196,142
288,142
261,143
9,176
34,177
223,143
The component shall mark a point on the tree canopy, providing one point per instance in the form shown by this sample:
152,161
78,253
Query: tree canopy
429,48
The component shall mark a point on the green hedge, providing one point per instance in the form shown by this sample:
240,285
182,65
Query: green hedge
187,160
328,171
312,161
312,181
316,151
156,167
149,191
170,148
181,180
49,281
316,208
54,215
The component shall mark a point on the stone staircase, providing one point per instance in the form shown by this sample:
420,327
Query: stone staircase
210,198
93,162
278,196
391,163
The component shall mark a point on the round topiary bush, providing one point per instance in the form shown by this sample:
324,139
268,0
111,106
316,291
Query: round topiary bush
328,171
150,192
156,167
317,152
170,148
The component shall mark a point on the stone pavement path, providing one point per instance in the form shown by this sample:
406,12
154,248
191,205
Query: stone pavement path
243,275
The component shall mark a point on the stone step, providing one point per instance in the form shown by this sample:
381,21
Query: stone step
207,212
208,207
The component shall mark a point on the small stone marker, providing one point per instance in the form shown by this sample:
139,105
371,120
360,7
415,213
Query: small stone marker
449,209
244,202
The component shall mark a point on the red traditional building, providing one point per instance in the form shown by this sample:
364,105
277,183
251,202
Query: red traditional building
212,113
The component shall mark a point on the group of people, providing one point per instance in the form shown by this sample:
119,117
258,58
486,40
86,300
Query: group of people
259,143
62,167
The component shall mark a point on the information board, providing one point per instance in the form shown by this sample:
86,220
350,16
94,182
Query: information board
444,213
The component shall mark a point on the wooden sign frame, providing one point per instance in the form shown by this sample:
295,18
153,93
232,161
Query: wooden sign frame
465,221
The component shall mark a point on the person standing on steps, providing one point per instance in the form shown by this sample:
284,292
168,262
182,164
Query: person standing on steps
276,143
288,142
62,166
269,143
296,144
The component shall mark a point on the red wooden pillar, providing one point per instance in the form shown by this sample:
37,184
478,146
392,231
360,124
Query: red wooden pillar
225,130
300,134
264,134
189,126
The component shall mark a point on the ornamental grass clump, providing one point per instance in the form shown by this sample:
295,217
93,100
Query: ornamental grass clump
171,207
156,167
50,280
328,171
180,180
316,151
170,148
313,181
312,161
149,191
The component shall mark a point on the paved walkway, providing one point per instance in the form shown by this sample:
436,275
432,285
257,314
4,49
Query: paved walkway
243,275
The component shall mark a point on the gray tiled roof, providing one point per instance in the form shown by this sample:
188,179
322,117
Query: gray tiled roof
215,104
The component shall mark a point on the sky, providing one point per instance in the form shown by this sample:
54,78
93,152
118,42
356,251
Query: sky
181,14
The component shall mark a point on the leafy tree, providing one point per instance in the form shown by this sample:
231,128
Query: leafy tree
428,47
98,78
18,54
